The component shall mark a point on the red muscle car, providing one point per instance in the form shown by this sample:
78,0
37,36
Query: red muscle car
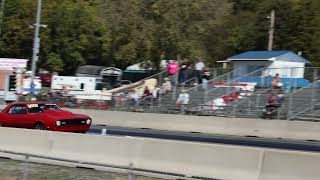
43,116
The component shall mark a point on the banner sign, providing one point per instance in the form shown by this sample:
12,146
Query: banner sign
13,63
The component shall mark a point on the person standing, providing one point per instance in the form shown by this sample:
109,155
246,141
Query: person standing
205,79
183,76
173,68
183,101
147,96
199,66
276,82
166,86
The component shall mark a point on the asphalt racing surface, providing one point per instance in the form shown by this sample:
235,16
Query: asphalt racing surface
313,146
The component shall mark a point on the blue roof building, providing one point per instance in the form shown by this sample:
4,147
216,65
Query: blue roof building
287,56
268,63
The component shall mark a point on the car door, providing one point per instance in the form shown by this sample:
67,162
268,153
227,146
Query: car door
17,116
34,114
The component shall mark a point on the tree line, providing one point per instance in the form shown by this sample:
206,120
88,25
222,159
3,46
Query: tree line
123,32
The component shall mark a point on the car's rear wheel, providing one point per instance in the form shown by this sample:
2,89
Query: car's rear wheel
40,126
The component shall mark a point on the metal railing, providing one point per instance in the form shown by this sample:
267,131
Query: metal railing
307,100
222,77
185,83
253,103
159,76
226,86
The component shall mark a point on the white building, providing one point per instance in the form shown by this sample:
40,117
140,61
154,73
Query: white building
261,66
286,63
11,67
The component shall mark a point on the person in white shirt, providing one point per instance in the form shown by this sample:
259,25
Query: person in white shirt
183,100
199,66
166,86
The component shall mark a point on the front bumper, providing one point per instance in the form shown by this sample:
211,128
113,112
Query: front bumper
73,128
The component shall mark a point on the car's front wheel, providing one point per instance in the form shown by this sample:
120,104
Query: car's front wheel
40,126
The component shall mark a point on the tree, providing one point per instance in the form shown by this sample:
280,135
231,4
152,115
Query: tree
54,62
121,33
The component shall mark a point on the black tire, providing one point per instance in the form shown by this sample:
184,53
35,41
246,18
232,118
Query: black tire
40,126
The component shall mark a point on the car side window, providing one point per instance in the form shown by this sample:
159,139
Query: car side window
18,109
35,110
11,110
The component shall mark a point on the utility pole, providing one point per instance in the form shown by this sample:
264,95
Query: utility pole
271,30
1,14
36,44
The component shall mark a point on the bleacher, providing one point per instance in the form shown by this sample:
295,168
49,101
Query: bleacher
301,98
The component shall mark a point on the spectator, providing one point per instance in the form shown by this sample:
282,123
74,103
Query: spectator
147,96
156,93
183,72
71,102
218,103
271,107
272,99
205,79
166,86
276,82
146,92
173,68
234,96
119,100
280,97
134,98
198,70
183,100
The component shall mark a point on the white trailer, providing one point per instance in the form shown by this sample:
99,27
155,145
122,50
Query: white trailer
73,83
80,87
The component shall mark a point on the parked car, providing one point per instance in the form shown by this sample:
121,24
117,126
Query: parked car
43,116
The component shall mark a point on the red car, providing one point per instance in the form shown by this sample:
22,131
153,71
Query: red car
43,116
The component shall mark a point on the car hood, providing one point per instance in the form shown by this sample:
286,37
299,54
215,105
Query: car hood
64,115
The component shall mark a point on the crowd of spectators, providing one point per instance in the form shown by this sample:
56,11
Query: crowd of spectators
177,74
184,72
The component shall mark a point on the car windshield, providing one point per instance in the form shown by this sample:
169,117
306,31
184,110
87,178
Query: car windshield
38,108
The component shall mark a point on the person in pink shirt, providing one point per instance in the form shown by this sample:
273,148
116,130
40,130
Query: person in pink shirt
173,68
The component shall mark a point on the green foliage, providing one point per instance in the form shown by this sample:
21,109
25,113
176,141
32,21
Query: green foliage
54,62
119,33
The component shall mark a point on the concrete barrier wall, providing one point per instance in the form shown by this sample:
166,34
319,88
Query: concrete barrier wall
188,158
298,130
290,165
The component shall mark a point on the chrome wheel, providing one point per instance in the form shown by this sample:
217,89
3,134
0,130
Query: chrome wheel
40,126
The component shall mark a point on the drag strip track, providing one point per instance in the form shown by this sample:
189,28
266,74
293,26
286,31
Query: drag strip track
312,146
